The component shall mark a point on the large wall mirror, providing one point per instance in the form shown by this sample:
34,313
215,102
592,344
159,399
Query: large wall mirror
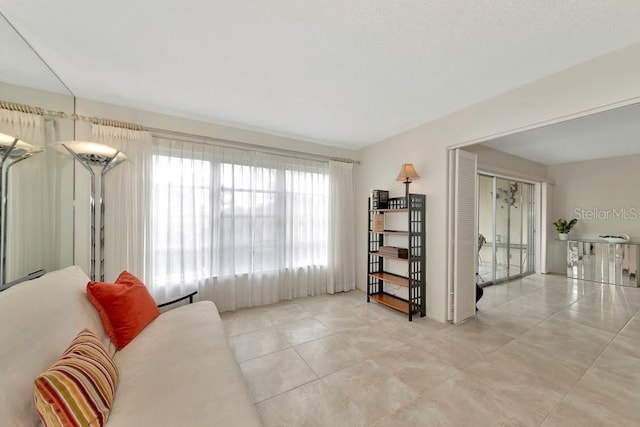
37,219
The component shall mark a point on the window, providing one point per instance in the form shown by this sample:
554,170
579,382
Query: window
214,217
181,204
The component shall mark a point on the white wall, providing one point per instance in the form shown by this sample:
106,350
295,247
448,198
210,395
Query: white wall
602,194
501,163
606,189
193,127
589,87
38,98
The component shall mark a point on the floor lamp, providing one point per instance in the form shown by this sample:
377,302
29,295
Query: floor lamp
13,150
95,155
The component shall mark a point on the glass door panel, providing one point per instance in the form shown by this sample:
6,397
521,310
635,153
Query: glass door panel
514,203
501,227
486,205
527,228
506,218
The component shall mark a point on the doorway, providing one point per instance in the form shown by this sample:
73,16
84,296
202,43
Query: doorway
506,227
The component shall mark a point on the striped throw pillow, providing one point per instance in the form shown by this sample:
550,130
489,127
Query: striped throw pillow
79,388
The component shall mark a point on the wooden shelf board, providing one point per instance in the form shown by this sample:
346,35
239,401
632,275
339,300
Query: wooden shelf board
392,232
388,256
390,210
391,278
391,301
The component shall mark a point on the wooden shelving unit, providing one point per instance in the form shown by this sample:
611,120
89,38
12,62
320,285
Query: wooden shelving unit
380,279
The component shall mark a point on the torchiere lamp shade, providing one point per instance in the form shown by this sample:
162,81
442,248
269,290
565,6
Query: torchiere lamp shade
20,147
93,153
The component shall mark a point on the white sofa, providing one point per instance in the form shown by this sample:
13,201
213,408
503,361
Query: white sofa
179,371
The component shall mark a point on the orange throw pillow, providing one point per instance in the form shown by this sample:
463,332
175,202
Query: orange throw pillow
125,307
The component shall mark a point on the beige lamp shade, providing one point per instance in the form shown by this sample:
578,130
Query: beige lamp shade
94,153
19,149
407,173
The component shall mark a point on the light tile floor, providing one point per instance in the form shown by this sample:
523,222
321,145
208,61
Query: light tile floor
543,351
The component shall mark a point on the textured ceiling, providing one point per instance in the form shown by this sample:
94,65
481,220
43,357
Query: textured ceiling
346,73
608,134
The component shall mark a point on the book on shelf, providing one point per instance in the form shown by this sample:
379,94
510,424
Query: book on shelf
378,223
394,251
379,199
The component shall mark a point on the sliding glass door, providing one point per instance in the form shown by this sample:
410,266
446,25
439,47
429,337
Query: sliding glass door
505,229
486,225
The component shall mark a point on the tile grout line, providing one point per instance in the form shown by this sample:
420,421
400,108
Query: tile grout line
587,291
286,391
290,345
305,362
588,369
547,318
318,378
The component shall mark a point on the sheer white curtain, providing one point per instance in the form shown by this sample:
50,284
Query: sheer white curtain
31,218
127,198
244,228
342,252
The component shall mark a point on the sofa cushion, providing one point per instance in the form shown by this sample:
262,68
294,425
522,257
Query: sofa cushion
180,371
39,319
79,388
126,307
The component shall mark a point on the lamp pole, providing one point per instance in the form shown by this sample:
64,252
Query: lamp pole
112,163
406,190
3,212
22,152
89,160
